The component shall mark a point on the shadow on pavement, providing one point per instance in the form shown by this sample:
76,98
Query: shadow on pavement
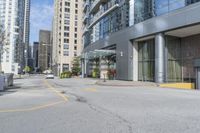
9,90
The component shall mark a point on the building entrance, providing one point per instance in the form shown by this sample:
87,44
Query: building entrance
146,60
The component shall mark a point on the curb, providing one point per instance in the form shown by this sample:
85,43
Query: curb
101,84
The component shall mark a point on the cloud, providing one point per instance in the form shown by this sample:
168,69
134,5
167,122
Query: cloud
41,18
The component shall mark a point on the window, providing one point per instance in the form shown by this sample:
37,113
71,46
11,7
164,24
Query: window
75,47
164,6
67,22
65,67
75,35
65,53
66,40
76,11
76,17
67,16
67,10
66,28
76,23
67,4
75,54
66,34
66,46
75,41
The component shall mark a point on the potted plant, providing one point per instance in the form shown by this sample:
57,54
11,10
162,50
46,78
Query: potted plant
111,74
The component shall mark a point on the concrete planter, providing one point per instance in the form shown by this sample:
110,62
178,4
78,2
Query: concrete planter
8,79
2,82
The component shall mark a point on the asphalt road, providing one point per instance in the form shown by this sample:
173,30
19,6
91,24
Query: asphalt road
36,105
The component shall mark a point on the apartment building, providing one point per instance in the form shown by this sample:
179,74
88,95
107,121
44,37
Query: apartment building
149,40
14,17
67,34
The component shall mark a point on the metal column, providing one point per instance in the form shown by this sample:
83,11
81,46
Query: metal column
198,78
159,58
197,68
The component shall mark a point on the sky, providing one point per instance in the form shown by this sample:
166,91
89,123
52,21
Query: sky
40,17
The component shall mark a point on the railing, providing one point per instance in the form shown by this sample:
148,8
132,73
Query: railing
85,5
85,17
101,14
94,4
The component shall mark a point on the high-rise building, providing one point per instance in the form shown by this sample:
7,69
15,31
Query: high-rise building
14,17
26,30
30,57
143,40
44,50
35,54
67,34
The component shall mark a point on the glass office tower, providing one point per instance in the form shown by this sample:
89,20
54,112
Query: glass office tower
145,9
154,40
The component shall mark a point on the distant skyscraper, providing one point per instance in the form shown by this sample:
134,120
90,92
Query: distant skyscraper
14,16
44,50
67,33
35,54
26,29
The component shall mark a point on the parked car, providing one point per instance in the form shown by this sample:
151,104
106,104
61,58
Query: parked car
50,76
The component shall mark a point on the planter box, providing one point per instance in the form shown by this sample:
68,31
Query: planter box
8,79
2,83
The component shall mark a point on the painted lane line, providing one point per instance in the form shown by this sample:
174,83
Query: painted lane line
31,108
64,97
49,87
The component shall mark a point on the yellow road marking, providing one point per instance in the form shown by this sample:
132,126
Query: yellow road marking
54,90
31,108
91,89
40,106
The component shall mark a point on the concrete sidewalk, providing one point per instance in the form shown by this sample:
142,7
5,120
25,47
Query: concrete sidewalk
125,83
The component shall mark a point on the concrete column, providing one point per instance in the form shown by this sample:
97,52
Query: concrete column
198,78
83,67
135,61
159,58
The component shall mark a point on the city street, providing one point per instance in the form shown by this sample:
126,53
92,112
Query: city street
37,105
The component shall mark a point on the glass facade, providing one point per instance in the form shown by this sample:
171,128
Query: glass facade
174,63
146,60
145,9
115,20
126,14
165,6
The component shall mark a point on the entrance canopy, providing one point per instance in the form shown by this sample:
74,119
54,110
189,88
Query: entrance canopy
98,54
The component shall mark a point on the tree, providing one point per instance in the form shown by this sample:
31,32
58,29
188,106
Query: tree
76,69
3,42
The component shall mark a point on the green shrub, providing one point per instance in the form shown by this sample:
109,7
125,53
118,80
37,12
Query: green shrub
96,73
66,74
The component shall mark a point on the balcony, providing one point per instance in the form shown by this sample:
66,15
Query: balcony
95,5
101,14
85,5
85,30
85,17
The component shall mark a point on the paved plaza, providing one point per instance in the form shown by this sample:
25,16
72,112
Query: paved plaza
37,105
